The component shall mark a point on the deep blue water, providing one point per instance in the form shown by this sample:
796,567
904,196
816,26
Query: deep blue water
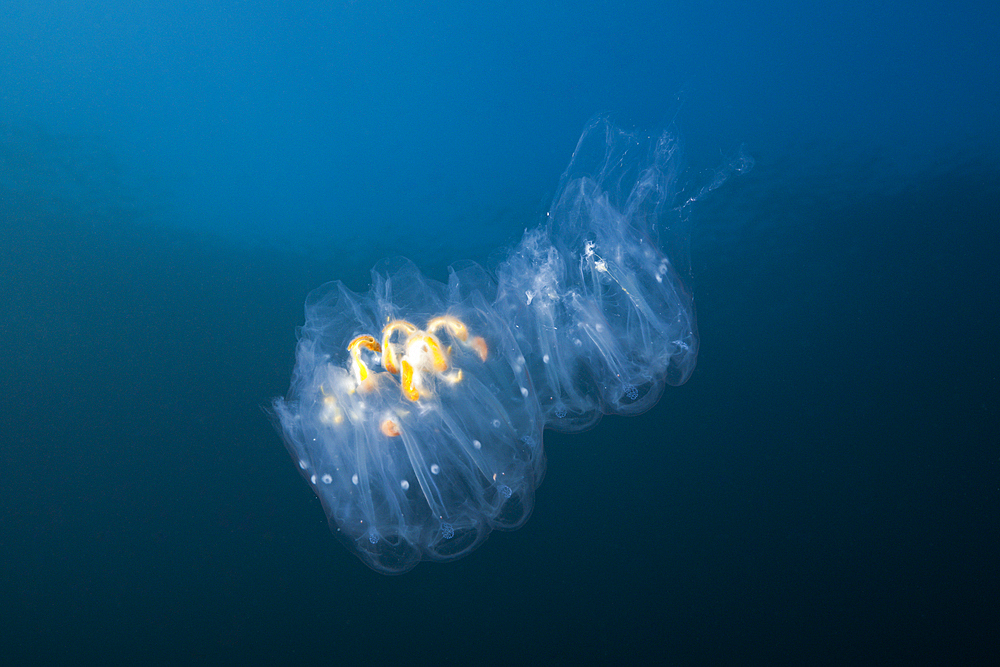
173,182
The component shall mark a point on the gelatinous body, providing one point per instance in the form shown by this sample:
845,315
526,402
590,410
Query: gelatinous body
416,410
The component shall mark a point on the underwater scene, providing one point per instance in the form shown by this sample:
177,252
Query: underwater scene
499,332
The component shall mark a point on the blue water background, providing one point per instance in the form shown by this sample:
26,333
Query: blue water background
174,178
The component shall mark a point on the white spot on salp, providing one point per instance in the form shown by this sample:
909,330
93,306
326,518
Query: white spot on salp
477,444
354,479
326,478
529,295
405,484
524,392
435,468
577,342
303,464
545,358
313,479
496,423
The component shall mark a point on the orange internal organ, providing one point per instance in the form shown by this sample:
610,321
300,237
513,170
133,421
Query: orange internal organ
358,366
408,381
389,354
455,326
426,354
479,345
389,428
460,332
